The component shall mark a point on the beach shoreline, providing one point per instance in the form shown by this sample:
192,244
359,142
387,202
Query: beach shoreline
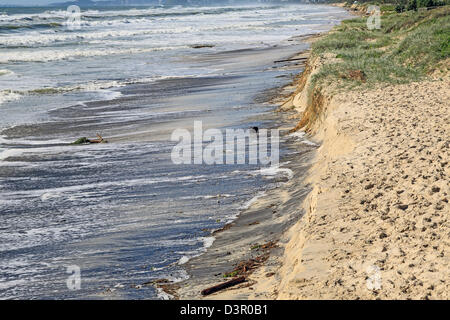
233,248
254,240
235,234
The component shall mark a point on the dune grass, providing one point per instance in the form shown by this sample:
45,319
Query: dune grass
407,47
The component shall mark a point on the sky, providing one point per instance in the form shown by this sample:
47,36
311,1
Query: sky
28,2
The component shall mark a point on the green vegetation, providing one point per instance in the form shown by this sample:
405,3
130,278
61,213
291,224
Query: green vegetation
82,140
408,46
406,5
400,5
231,274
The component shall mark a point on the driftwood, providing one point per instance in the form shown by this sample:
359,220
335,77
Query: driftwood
99,140
198,46
222,286
287,60
85,140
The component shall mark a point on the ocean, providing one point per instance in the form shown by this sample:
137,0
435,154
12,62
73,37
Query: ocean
122,214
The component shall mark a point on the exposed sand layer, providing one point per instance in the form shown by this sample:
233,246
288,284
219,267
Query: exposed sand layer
376,222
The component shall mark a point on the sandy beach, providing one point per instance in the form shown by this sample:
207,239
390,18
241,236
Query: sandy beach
374,224
379,207
353,205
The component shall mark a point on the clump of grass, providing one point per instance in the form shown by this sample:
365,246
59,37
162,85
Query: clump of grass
408,46
387,7
82,140
231,274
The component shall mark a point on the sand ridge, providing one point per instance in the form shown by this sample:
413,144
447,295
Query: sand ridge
377,221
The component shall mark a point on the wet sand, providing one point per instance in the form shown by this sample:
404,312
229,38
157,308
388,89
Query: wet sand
262,224
256,237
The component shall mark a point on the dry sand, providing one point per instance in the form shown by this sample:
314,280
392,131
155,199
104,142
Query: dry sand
376,222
